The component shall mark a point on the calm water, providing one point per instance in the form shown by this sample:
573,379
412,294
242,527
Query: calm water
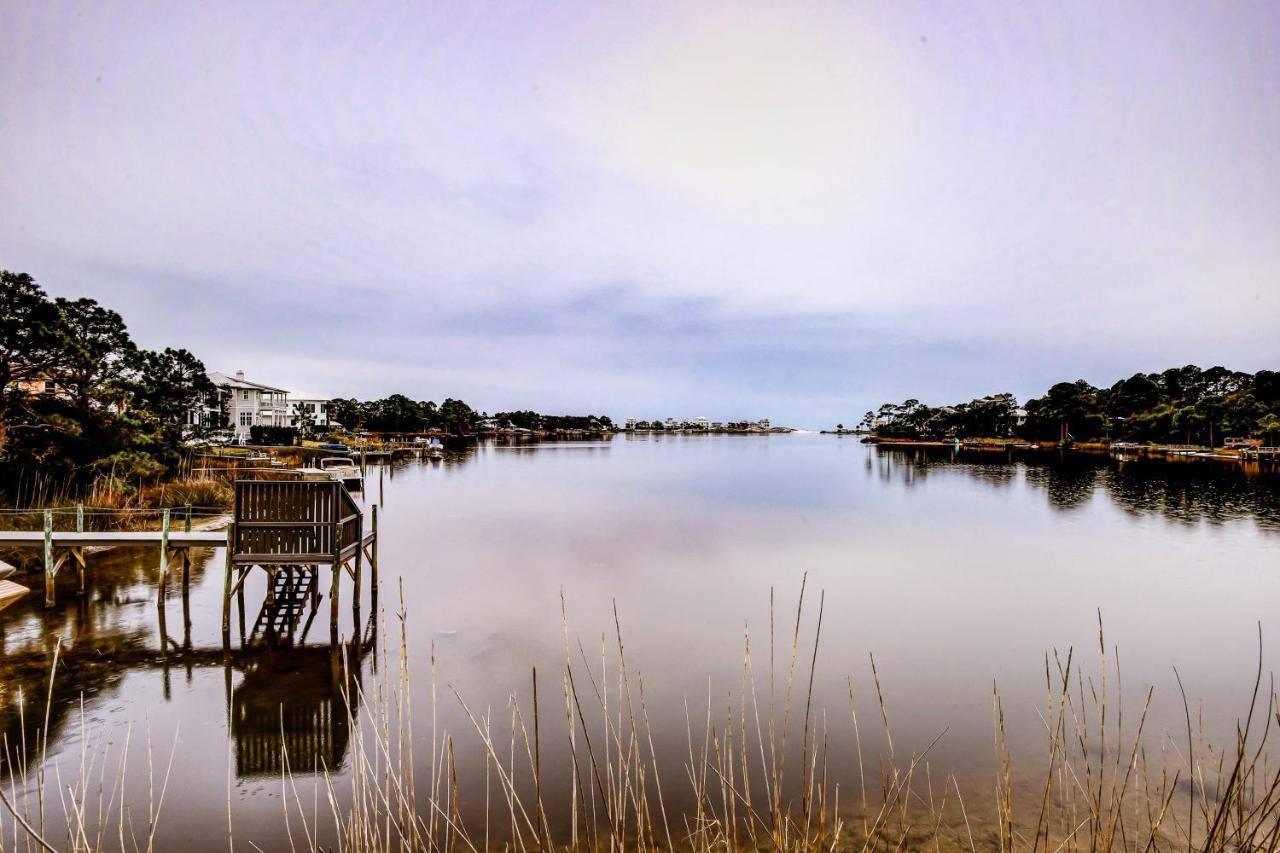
955,573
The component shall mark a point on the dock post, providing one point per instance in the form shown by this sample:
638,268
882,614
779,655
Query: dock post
337,580
186,556
226,591
373,554
355,574
164,552
48,559
78,553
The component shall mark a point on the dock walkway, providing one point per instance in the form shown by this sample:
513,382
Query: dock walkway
288,528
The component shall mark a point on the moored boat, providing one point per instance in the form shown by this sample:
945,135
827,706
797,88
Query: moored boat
344,470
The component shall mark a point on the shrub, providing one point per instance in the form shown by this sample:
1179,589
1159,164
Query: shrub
273,435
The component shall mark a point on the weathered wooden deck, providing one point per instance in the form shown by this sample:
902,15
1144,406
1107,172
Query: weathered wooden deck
107,539
63,545
287,526
292,527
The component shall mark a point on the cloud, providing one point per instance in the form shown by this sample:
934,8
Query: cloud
804,207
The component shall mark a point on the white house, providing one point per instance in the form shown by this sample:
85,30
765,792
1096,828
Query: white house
309,404
247,404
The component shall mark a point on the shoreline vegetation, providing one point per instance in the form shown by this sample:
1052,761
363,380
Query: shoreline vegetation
758,770
87,417
1180,411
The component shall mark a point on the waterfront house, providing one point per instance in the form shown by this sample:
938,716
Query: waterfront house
302,405
243,404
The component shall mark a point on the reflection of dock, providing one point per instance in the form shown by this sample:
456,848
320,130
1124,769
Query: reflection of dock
294,707
292,701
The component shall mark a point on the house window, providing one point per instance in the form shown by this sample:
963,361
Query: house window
246,419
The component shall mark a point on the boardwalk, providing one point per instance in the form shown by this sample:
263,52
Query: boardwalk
63,545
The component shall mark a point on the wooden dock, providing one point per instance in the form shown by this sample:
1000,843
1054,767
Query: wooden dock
290,529
61,546
297,526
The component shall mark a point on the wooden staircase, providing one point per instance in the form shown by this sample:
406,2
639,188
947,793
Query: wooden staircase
293,588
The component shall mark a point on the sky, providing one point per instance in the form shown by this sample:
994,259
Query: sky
720,209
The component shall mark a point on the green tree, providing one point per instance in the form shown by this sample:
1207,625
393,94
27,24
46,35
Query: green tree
163,388
30,342
344,412
1269,425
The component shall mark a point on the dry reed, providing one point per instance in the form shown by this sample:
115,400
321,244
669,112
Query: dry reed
1101,789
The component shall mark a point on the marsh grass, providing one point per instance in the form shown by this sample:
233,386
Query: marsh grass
756,771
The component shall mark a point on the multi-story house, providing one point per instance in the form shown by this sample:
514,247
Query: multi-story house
309,405
245,404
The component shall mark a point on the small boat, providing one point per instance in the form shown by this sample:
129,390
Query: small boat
335,448
434,448
344,470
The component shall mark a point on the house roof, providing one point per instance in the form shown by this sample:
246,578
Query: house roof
225,381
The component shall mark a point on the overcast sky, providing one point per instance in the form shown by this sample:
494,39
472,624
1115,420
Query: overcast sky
721,209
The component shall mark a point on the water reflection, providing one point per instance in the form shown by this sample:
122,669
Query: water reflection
295,705
1183,490
957,569
280,693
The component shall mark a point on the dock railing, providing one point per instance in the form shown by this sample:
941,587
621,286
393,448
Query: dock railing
297,523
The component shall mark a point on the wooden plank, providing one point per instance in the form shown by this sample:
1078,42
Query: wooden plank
11,592
99,539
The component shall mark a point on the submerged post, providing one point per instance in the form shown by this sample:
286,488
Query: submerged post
48,559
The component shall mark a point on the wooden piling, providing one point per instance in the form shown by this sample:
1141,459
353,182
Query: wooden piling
226,587
49,569
337,573
164,552
373,555
355,574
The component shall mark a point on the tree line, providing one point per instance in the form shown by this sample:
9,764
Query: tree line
402,414
79,399
399,413
1180,405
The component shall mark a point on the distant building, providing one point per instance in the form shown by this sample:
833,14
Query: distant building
631,423
246,404
40,385
317,407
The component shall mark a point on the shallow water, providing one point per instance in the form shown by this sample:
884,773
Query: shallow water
957,572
